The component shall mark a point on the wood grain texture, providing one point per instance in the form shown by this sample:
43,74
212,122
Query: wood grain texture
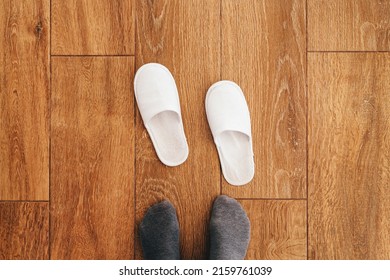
92,158
349,156
278,229
24,230
89,27
348,25
264,51
185,37
24,96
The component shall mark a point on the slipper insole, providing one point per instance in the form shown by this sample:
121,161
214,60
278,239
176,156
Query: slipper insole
168,136
236,156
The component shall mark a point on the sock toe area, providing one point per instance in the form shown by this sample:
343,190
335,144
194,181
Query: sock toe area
158,214
226,205
163,206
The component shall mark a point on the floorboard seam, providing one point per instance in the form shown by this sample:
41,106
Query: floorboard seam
341,51
92,55
281,199
307,138
50,93
135,134
22,201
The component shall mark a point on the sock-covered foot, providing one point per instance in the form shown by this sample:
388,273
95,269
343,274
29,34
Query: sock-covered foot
229,230
159,232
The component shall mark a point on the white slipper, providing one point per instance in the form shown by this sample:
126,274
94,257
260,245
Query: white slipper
159,105
229,120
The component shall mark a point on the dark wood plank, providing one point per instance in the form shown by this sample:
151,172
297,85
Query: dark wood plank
24,230
24,96
348,25
185,37
278,229
89,27
349,155
92,158
264,51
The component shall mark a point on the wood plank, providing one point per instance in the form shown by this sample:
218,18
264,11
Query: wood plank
278,229
24,230
264,51
92,158
24,96
348,25
349,155
87,27
185,37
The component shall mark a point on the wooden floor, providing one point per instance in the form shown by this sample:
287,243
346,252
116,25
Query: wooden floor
77,167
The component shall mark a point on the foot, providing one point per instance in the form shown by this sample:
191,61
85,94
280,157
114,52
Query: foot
159,232
229,230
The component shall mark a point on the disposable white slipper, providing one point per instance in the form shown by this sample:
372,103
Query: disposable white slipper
158,102
229,120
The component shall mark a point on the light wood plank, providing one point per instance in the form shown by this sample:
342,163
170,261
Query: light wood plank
264,51
185,37
24,230
92,158
24,94
349,25
349,156
278,229
89,27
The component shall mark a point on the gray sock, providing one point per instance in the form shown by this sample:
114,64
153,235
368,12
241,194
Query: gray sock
159,232
229,230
